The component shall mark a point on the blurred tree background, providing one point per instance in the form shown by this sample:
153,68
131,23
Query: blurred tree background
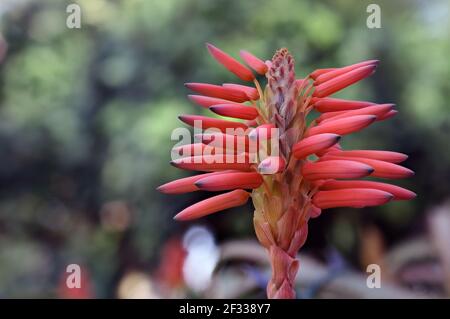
86,117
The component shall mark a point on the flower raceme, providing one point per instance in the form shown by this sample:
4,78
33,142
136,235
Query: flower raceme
265,149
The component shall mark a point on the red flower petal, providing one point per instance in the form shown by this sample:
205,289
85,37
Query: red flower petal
238,111
351,197
253,62
319,72
381,169
207,101
229,181
329,104
342,81
335,169
335,147
218,162
340,71
378,110
185,185
343,126
218,91
210,122
388,115
214,204
230,63
313,144
398,192
251,92
386,156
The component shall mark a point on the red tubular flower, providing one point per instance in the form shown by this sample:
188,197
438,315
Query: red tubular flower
343,126
314,75
227,181
328,104
336,72
185,185
342,81
236,110
398,192
251,92
388,115
386,156
314,144
214,204
378,110
218,91
207,101
381,169
335,169
230,63
214,162
351,197
253,62
288,187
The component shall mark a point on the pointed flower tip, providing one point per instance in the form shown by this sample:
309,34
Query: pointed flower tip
253,62
232,180
230,63
335,84
243,112
335,169
343,126
398,192
382,169
351,197
207,101
314,144
214,204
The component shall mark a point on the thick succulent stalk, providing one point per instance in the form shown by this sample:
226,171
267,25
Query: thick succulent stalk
282,205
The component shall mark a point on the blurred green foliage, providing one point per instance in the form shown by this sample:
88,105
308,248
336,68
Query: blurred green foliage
86,116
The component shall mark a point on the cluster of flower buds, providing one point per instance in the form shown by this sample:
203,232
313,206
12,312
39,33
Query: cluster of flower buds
293,168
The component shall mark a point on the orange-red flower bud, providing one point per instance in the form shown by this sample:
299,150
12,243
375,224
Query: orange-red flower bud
343,126
238,111
314,143
351,197
398,192
229,181
253,62
230,63
335,169
207,101
214,204
218,91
